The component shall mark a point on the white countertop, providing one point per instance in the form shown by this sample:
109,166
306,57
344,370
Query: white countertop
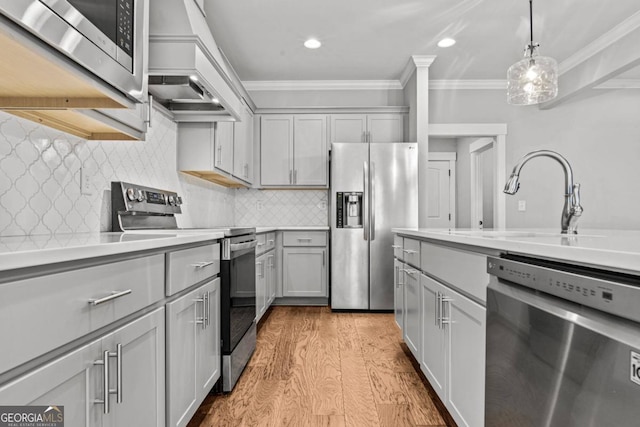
31,251
610,249
292,228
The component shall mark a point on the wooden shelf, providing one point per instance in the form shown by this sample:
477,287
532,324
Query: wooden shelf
216,178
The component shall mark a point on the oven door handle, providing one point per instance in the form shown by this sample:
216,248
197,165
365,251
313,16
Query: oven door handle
234,247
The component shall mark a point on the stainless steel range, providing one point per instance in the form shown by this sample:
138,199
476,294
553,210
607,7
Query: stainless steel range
136,208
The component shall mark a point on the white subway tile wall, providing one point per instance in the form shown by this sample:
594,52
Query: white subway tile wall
282,207
41,171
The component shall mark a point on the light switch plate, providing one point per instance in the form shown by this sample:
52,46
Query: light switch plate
522,205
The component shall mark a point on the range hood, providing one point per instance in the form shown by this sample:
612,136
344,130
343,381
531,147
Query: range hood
187,73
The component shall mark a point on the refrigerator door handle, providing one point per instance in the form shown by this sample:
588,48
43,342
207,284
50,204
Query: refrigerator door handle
372,203
365,201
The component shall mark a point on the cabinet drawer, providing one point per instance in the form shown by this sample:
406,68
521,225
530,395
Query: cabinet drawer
466,271
397,247
411,251
304,238
43,313
261,247
190,266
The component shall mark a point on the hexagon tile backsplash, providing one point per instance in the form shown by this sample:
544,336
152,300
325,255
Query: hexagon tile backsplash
41,170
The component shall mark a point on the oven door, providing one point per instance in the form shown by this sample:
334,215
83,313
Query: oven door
242,295
555,363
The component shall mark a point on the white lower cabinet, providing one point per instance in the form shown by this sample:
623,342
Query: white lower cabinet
261,286
412,320
398,299
271,278
453,350
304,272
135,374
193,351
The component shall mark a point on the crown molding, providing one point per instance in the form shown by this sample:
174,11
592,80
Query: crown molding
468,84
416,61
620,84
607,39
271,85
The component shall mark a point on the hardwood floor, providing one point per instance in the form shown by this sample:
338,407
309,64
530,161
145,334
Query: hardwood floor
313,367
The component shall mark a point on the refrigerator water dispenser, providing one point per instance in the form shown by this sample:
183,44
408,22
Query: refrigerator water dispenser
349,210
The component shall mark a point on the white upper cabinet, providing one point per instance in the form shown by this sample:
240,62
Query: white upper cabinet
367,128
243,146
294,150
224,146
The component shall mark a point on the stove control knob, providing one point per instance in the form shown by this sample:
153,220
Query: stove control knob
178,200
166,199
140,196
131,194
172,200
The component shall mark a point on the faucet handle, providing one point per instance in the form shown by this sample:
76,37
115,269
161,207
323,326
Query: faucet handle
575,200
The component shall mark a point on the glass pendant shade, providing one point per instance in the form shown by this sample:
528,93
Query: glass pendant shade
532,80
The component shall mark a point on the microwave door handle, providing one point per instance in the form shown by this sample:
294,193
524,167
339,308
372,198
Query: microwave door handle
365,214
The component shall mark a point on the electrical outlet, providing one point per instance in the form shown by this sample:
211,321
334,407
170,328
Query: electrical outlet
86,182
522,205
259,205
322,205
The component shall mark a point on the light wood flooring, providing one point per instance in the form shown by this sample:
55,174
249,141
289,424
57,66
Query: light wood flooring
313,367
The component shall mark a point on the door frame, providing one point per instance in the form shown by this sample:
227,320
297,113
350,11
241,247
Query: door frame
450,157
477,193
497,131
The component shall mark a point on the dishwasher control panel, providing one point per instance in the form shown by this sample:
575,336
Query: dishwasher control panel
605,294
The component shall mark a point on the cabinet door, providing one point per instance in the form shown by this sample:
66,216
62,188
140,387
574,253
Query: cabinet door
184,318
398,300
432,361
304,272
195,146
224,146
271,278
208,341
385,127
142,359
412,325
261,281
276,146
348,128
72,381
465,359
243,146
310,152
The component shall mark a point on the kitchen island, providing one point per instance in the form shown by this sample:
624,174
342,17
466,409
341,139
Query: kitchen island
441,298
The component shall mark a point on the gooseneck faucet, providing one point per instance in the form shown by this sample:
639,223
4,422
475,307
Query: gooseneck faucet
572,209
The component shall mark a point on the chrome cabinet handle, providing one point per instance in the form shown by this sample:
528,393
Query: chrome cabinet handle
409,251
396,246
208,307
445,320
114,295
410,271
437,309
219,159
290,176
149,109
398,282
323,258
105,380
260,244
305,239
203,264
271,241
200,320
295,176
118,389
261,270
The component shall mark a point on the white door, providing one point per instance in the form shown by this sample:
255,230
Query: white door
224,146
385,128
432,361
310,166
439,195
348,128
276,144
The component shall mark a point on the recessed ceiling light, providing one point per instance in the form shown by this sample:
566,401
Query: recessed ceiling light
312,44
215,101
446,42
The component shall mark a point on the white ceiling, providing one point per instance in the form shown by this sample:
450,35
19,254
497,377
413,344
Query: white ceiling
374,39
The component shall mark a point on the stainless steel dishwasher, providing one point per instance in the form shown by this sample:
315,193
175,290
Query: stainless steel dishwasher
563,345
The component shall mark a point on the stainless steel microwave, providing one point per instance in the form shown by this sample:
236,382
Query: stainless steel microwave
106,37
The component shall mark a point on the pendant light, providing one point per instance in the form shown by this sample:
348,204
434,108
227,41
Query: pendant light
534,79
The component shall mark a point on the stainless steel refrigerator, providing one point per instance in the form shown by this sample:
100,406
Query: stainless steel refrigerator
374,188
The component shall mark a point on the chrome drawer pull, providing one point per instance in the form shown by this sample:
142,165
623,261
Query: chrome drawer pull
105,380
396,246
118,390
202,264
409,251
304,239
201,320
114,295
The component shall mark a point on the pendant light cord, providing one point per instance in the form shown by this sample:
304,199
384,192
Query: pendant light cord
531,27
